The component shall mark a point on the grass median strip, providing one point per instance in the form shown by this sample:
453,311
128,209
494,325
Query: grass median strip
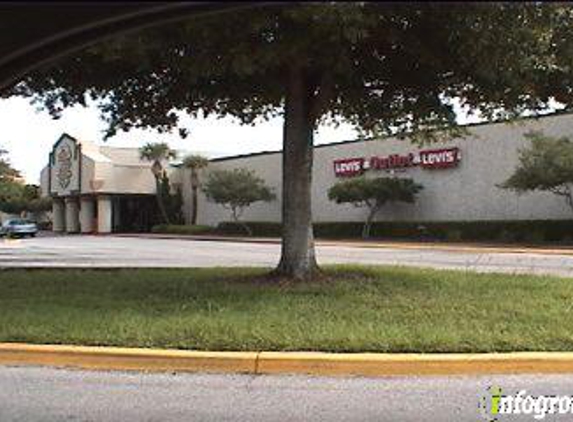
354,309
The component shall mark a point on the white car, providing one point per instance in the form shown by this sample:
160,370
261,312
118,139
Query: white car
19,227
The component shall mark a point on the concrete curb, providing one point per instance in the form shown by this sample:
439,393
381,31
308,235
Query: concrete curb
311,363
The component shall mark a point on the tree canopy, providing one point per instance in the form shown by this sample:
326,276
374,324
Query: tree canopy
546,165
380,66
195,163
157,153
236,190
7,172
373,194
15,195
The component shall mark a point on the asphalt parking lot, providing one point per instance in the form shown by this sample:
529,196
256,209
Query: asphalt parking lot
118,251
43,395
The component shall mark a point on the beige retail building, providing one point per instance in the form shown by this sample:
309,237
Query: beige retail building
103,189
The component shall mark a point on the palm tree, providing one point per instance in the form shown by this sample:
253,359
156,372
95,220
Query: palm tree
157,153
195,163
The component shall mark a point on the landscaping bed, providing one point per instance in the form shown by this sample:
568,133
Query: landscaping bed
530,232
351,308
523,231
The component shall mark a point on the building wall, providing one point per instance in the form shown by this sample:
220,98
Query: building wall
103,170
44,181
88,173
466,192
65,179
268,167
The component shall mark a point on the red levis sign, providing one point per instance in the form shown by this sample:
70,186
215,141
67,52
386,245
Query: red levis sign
349,167
427,159
440,158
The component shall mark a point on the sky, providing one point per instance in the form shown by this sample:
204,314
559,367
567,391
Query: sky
28,135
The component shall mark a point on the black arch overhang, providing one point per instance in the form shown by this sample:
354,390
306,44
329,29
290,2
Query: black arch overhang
32,34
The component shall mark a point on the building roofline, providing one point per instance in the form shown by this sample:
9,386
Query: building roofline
373,138
114,147
348,141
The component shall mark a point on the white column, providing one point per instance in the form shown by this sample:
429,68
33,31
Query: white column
104,214
72,215
58,215
87,212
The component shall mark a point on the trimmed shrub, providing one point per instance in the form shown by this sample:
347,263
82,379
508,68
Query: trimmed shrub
506,236
44,225
259,228
181,229
535,236
453,235
532,231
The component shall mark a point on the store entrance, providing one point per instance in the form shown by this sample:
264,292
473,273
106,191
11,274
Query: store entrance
135,213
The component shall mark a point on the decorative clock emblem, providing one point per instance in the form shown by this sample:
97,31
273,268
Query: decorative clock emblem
64,174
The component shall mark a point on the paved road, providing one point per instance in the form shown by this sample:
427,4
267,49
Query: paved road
115,251
52,395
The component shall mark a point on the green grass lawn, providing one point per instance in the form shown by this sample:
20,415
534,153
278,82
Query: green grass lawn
379,309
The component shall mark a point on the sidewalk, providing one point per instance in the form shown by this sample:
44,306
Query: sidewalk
388,244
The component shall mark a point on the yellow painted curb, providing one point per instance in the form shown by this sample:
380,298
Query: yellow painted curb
119,358
312,363
373,364
452,247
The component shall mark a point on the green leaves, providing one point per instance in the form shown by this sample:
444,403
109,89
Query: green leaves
374,193
156,151
392,68
236,189
7,172
172,200
195,162
16,197
547,165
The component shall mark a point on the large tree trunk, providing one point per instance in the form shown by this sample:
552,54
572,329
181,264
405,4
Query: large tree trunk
297,255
